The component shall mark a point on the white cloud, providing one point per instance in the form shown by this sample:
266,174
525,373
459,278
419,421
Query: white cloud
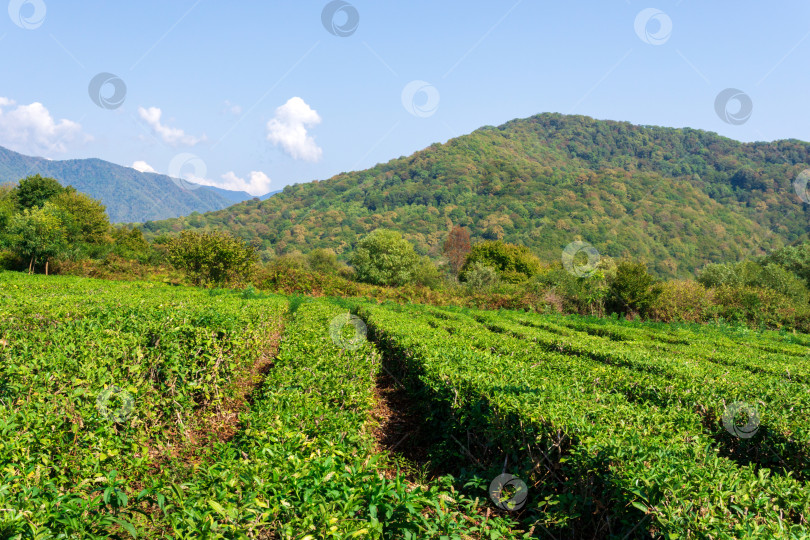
172,136
232,108
289,129
143,166
257,184
32,129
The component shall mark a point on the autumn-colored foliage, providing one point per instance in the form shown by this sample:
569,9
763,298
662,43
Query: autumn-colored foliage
456,247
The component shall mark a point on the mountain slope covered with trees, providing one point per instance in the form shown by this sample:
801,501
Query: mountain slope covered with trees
676,198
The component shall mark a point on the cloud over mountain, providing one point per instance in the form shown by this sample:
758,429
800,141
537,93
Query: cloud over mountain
289,129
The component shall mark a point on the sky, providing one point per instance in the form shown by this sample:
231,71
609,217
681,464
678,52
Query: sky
256,95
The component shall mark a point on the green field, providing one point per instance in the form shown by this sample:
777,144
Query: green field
146,410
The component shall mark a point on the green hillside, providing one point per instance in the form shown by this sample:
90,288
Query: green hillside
677,198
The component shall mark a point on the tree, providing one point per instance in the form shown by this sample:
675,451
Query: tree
480,277
8,207
426,273
212,257
35,191
36,234
747,179
632,289
717,274
43,219
572,293
384,258
323,261
84,218
761,274
795,258
130,243
513,263
456,247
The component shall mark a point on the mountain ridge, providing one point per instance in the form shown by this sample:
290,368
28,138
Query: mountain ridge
675,197
129,195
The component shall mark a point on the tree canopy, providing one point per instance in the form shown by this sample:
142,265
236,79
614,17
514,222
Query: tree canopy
384,258
212,258
36,234
511,262
40,220
35,191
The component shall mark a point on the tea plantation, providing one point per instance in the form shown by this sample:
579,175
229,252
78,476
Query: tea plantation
143,410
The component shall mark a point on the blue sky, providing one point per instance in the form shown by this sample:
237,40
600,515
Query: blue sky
259,94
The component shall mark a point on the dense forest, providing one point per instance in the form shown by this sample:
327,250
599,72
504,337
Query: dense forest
674,198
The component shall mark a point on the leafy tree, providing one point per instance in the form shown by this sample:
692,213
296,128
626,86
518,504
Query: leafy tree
631,290
747,179
384,258
212,257
513,263
85,219
67,222
585,295
795,258
324,261
758,274
128,242
35,191
481,278
36,234
774,277
426,273
717,274
456,247
8,207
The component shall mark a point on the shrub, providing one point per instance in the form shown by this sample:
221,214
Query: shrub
212,257
292,261
682,300
758,306
569,293
129,243
767,275
288,275
324,261
480,277
427,274
512,263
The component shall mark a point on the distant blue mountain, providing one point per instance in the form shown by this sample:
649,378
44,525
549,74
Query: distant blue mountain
129,195
268,195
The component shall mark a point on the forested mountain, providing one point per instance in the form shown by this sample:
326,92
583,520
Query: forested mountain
129,195
676,198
